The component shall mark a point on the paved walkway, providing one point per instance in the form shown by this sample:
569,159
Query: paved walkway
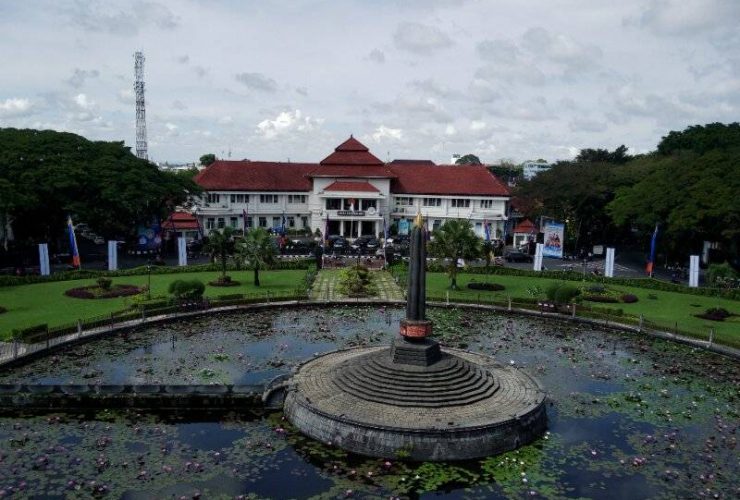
326,286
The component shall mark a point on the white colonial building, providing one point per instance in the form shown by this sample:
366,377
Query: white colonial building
350,193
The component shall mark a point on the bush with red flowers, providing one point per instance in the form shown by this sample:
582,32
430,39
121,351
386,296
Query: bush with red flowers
98,292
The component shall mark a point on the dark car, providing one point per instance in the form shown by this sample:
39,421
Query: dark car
517,256
365,243
340,245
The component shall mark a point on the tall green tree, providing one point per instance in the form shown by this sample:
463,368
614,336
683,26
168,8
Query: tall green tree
220,246
207,159
54,174
619,156
701,138
257,250
455,240
468,159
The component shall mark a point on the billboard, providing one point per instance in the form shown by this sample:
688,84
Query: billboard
554,237
403,226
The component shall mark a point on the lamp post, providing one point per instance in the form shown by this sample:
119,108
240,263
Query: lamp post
149,282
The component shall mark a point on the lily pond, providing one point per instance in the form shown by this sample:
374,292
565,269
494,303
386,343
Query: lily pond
628,417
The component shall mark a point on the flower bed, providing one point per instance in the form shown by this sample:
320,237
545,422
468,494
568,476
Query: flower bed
97,292
224,282
715,314
491,287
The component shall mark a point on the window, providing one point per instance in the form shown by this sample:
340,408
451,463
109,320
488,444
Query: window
239,198
304,221
213,197
432,202
248,222
291,221
221,222
263,221
460,203
276,222
210,223
333,204
486,203
368,204
268,198
404,201
296,198
234,221
436,224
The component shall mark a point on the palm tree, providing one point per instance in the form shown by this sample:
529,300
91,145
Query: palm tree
455,240
257,250
221,245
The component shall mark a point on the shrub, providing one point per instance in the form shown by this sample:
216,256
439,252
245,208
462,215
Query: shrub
104,283
553,289
629,298
565,294
715,314
596,289
25,334
231,296
490,287
187,289
356,281
718,274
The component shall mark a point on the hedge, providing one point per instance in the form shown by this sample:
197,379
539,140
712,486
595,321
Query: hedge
648,283
294,264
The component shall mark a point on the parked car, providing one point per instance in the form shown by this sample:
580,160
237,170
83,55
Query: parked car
340,245
366,242
517,256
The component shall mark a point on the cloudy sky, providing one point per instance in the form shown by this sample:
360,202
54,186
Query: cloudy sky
412,79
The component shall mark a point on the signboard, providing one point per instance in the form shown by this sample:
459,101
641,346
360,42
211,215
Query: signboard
350,213
403,226
554,238
149,238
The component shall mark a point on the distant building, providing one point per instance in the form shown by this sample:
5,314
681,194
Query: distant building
349,193
174,167
531,168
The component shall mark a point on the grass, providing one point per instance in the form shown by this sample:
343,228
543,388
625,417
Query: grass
669,310
30,305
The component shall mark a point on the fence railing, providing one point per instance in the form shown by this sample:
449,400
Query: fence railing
59,334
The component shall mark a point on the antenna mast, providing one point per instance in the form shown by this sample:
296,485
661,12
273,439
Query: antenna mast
141,148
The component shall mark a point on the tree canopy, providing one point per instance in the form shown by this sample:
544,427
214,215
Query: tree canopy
47,175
207,159
468,159
619,156
455,240
701,138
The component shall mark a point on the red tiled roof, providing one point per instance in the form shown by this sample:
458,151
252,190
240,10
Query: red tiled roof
180,221
351,152
362,187
368,171
412,162
256,176
525,226
464,180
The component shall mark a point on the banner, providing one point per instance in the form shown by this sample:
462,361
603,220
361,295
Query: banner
554,238
73,250
149,238
403,226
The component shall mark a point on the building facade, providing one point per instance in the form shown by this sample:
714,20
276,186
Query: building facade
349,193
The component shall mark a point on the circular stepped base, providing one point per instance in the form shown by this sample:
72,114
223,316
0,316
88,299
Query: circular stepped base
464,406
451,381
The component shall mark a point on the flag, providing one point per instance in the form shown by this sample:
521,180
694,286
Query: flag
73,244
487,230
245,216
326,232
653,244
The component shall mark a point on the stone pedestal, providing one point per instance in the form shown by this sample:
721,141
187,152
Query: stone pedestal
421,352
416,329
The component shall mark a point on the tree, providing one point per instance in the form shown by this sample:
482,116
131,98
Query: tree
455,240
207,159
701,138
220,245
468,159
257,250
618,157
56,174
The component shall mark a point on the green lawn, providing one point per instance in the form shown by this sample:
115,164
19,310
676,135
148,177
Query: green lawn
39,303
668,309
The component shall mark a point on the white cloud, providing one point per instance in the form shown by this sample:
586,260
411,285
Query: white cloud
450,129
83,102
126,96
14,107
477,125
383,133
287,122
686,17
420,38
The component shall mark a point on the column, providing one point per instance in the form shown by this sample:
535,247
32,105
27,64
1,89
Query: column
694,271
112,255
609,264
44,259
182,252
538,257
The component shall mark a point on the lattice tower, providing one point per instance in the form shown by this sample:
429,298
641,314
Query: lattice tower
141,147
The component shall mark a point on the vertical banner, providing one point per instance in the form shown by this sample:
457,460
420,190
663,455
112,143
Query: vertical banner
609,264
112,255
694,271
182,252
554,237
44,259
538,257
